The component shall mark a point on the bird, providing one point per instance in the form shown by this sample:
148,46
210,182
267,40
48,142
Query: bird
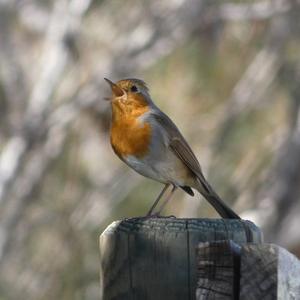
149,142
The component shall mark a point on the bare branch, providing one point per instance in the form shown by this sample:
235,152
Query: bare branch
65,19
252,88
252,11
27,182
279,196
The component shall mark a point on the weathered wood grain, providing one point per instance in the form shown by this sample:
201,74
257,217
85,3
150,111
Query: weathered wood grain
218,271
246,272
155,258
288,287
269,272
115,264
258,272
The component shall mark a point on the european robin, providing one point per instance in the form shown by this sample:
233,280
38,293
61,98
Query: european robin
149,142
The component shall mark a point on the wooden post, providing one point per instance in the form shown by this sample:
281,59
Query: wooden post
155,258
247,272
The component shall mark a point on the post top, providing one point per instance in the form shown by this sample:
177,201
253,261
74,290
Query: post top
240,231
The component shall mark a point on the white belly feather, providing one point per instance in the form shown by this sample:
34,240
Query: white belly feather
161,163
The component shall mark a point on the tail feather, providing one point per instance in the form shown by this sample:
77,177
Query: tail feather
212,197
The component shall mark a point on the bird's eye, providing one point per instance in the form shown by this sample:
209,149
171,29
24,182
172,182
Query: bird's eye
134,89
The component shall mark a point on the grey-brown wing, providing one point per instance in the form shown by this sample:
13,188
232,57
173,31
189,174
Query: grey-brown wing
179,145
183,151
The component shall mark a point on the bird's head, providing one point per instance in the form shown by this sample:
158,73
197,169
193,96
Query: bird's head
129,92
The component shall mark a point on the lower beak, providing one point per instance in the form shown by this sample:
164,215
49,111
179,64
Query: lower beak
116,90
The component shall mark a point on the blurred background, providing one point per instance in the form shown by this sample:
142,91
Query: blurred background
227,72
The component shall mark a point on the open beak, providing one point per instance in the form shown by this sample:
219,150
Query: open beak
117,91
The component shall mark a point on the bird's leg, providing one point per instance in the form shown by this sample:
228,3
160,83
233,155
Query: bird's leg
167,200
157,199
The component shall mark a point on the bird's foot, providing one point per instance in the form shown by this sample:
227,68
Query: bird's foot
153,215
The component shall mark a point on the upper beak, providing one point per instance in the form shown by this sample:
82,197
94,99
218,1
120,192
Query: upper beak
117,91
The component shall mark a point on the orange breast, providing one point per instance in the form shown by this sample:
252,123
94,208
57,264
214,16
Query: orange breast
129,136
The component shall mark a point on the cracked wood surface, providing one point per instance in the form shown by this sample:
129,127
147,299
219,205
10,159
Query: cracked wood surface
155,258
